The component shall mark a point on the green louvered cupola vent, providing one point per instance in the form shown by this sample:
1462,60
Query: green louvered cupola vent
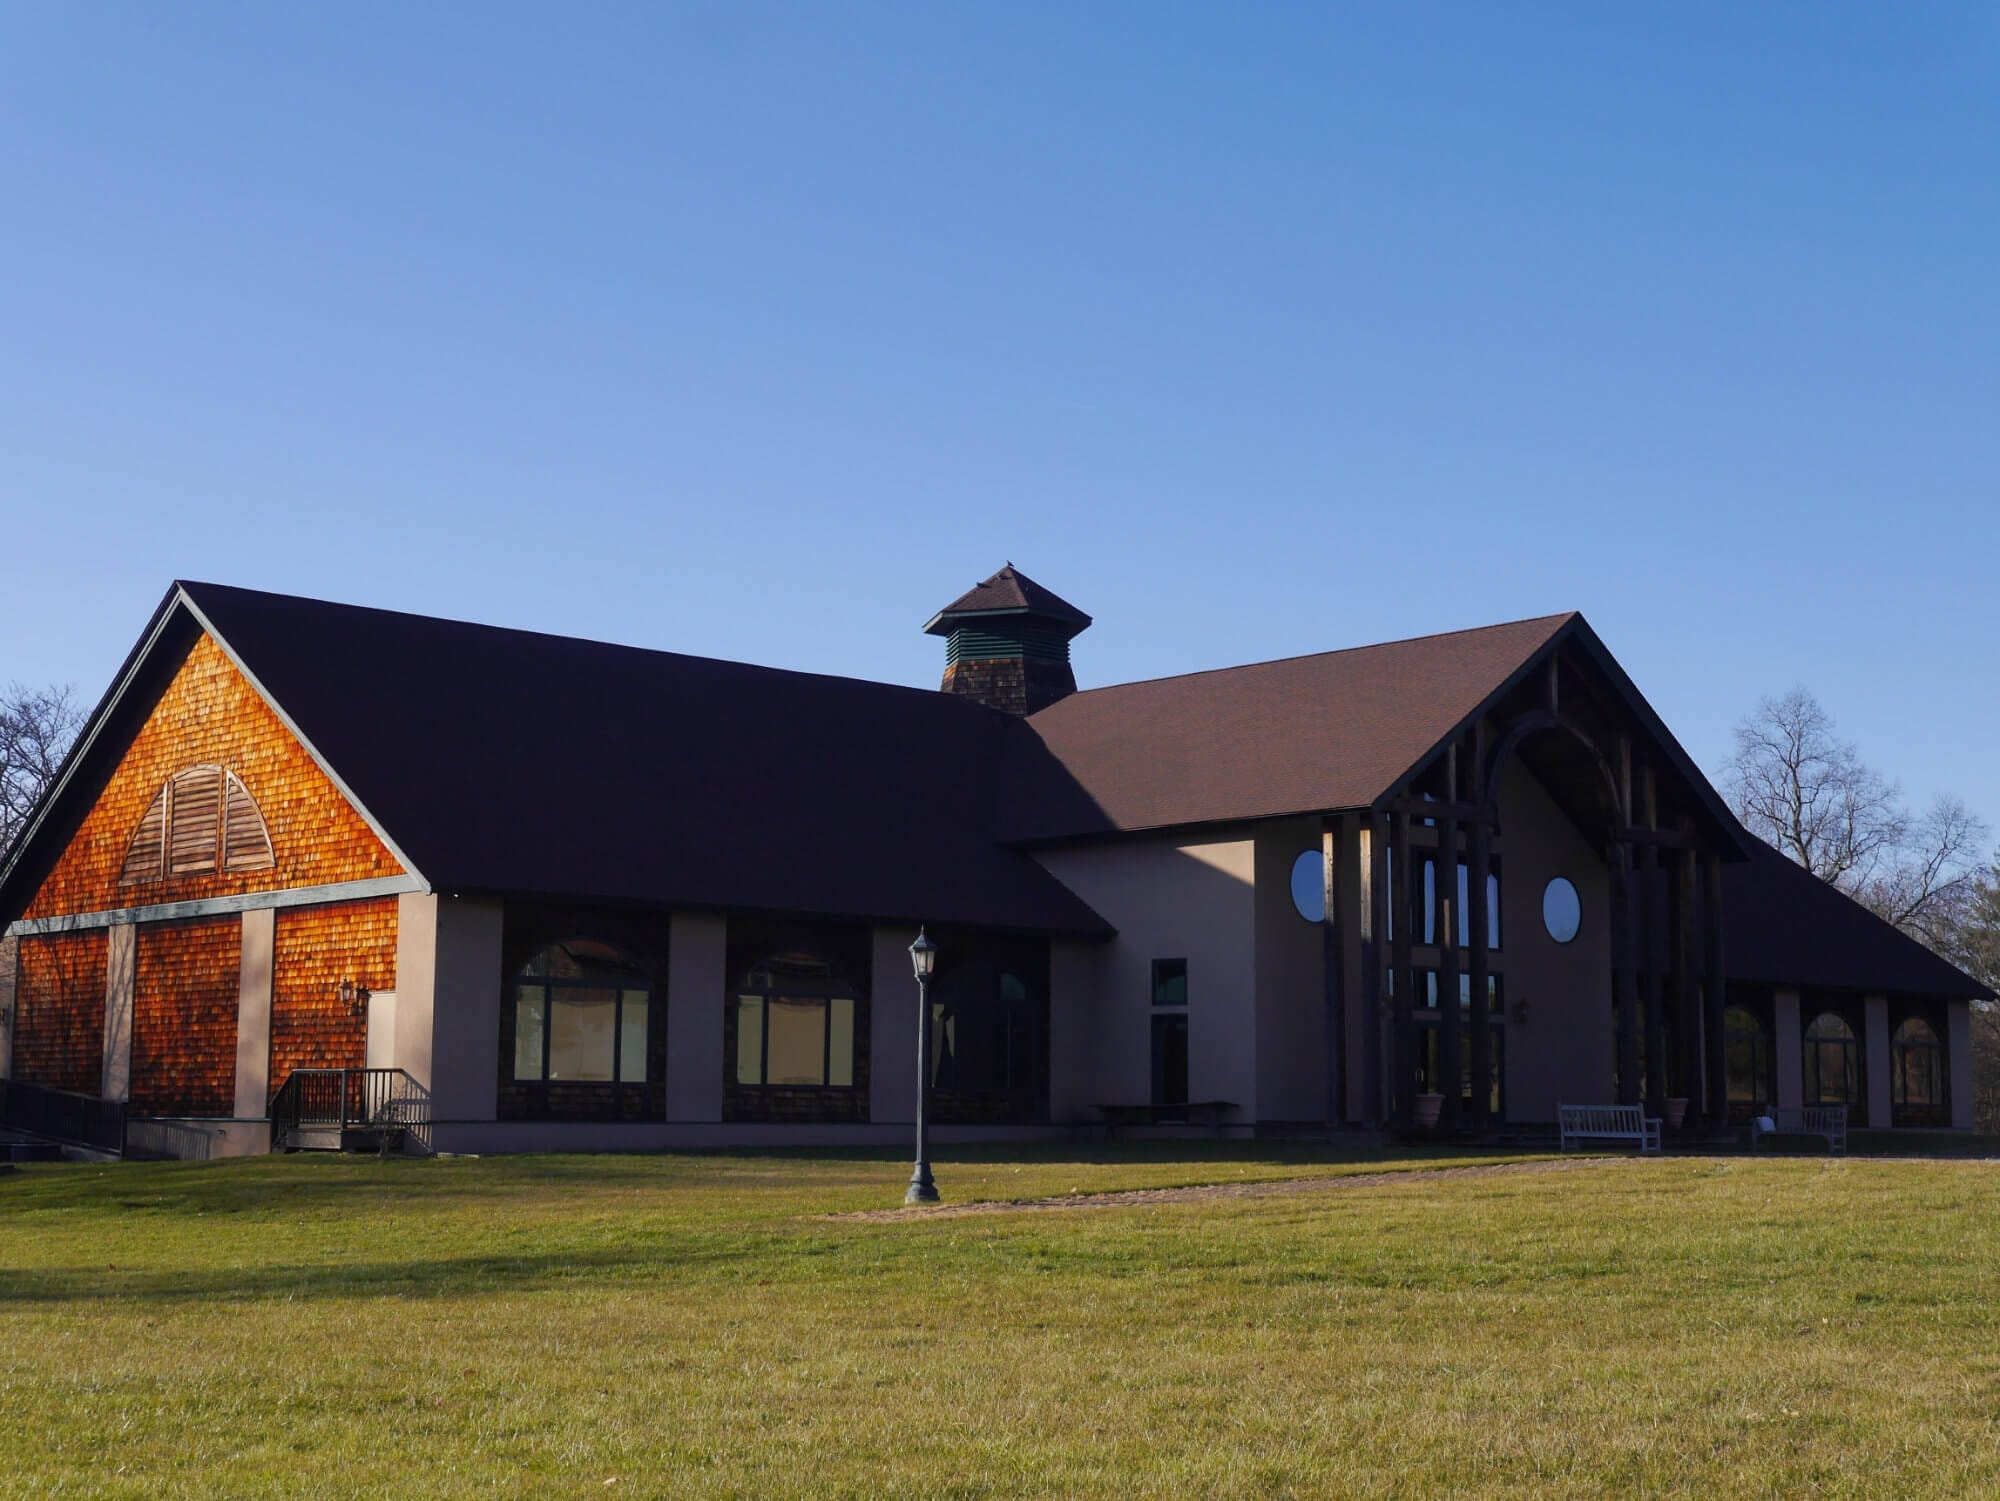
1006,643
1033,639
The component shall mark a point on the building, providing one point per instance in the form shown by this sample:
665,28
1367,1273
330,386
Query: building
591,896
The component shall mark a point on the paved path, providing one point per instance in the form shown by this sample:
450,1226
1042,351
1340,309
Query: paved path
1270,1188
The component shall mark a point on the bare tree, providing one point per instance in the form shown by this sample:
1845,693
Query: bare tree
36,727
1798,786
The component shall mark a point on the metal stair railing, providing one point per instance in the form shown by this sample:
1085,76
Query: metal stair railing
385,1103
81,1120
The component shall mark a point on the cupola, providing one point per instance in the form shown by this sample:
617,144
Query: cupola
1006,643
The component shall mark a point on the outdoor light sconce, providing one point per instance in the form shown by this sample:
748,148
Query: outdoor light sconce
355,998
1521,1011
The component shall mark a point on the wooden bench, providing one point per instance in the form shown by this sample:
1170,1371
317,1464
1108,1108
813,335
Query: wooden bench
1608,1123
1829,1122
1205,1113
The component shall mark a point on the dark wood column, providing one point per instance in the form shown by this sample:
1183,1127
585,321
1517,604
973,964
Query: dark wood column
1651,992
1624,974
1403,990
1374,865
1336,931
1687,1029
1451,1021
1478,922
1714,994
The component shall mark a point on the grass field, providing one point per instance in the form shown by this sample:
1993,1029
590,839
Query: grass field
695,1326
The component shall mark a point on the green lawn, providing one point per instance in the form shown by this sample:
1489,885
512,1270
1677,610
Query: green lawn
694,1326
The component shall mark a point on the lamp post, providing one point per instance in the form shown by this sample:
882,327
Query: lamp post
923,959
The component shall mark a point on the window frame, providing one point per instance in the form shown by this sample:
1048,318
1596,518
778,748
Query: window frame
1935,1111
639,980
825,990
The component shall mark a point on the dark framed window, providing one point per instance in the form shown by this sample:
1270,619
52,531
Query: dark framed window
1170,1058
582,1010
1425,894
984,1038
795,1025
1916,1075
1429,1077
1170,1032
1747,1054
1832,1062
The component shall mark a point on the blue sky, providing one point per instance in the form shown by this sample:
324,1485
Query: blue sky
762,332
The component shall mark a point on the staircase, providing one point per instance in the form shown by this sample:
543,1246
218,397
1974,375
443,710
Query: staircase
351,1110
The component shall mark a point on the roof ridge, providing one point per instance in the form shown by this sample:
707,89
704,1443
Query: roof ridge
1561,616
193,585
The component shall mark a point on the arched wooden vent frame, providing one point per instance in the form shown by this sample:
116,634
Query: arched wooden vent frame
203,820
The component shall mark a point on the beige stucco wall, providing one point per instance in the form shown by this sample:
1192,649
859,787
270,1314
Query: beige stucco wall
448,1002
253,1013
121,974
892,1028
1958,1058
1563,1051
1169,898
697,954
1075,971
1291,987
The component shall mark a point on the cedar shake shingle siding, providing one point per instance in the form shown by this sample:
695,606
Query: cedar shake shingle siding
209,714
184,1017
59,1006
315,949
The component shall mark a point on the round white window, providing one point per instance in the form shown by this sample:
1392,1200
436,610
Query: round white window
1309,886
1562,912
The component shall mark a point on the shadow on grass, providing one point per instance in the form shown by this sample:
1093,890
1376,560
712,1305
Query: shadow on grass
284,1187
411,1277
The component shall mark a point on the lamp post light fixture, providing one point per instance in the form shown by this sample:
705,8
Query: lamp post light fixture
923,960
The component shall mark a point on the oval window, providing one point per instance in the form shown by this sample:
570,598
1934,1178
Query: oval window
1562,912
1309,886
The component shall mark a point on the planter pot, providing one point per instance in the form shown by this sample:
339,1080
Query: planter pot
1677,1109
1428,1106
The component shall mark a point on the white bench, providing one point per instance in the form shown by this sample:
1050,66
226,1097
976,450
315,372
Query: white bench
1608,1123
1826,1121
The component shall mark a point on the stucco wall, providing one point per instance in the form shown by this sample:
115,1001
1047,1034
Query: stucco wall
448,1002
892,1043
1169,899
1075,980
696,955
1563,1050
1291,986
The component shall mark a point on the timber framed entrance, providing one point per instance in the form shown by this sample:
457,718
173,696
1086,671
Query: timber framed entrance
1414,882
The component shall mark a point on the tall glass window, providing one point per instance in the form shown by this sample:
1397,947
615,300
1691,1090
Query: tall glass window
795,1025
1748,1057
1916,1074
581,1013
1832,1062
1170,1032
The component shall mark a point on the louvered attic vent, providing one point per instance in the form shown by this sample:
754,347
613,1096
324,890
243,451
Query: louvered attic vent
203,820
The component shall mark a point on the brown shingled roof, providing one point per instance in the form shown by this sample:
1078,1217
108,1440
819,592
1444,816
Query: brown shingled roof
1008,592
1305,734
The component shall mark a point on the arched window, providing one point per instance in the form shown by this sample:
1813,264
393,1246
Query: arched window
1916,1074
794,1025
1749,1058
580,1016
1832,1062
203,820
